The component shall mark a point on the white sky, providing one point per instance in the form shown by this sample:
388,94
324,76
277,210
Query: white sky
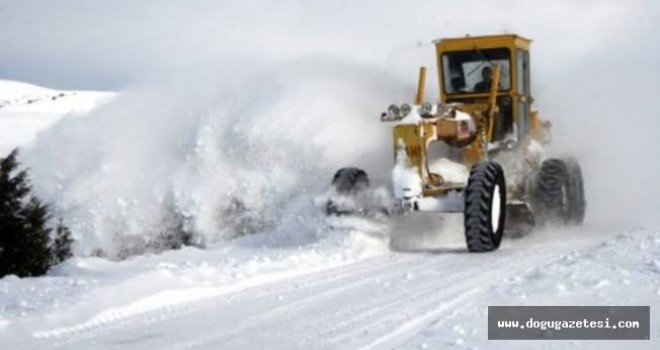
107,44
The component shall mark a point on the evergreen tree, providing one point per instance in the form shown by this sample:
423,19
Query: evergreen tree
25,237
62,244
13,189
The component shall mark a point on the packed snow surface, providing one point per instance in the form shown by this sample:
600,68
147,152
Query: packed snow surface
345,291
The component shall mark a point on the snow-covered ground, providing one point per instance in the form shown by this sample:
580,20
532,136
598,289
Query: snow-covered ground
347,291
308,283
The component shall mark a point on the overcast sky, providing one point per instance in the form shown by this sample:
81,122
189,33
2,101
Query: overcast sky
108,44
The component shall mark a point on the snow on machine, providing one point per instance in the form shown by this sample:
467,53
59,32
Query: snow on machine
479,152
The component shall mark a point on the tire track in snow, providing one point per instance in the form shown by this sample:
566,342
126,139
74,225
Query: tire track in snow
369,304
437,305
438,297
160,312
314,296
361,316
490,268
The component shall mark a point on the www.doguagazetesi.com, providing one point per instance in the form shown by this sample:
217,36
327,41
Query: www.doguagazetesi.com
573,324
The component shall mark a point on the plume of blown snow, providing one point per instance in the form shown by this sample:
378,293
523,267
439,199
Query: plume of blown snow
230,155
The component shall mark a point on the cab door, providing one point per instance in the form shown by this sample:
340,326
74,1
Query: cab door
524,97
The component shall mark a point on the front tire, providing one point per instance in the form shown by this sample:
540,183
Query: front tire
485,207
347,182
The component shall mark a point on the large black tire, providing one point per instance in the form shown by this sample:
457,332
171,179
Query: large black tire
553,192
347,182
350,180
576,199
560,192
485,207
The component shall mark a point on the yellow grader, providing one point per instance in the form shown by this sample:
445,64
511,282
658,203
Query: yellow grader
479,150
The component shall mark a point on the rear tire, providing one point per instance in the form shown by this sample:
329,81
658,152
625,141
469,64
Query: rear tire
561,192
553,191
485,207
577,202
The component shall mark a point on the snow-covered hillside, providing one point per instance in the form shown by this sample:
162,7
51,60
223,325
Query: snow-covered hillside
26,109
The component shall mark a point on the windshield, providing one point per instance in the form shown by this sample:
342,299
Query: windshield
472,71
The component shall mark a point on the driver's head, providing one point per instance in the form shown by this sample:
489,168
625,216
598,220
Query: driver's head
487,73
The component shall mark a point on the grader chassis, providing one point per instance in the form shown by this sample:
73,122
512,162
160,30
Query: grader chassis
485,123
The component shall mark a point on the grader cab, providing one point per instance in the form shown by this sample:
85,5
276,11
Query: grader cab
477,150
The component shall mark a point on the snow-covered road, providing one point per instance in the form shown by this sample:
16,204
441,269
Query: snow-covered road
407,300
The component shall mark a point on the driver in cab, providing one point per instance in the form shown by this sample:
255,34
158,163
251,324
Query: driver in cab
487,80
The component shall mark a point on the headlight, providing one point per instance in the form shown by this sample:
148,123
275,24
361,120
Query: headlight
405,109
441,109
393,112
426,109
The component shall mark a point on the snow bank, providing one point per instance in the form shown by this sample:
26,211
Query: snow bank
84,293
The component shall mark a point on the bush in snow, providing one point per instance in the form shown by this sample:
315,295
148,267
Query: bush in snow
62,244
173,232
26,247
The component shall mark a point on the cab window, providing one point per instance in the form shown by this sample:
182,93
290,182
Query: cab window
471,71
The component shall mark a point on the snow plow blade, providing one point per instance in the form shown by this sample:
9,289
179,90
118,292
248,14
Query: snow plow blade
520,219
422,231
